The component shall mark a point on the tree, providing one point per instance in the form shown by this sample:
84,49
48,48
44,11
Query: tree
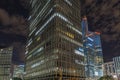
106,77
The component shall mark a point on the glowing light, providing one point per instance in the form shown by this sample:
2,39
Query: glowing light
97,33
78,52
90,44
68,2
81,49
50,19
90,39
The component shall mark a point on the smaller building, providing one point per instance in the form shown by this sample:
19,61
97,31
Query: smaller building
109,69
5,63
116,61
18,71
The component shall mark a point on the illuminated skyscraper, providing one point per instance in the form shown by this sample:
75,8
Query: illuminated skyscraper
5,63
93,52
54,50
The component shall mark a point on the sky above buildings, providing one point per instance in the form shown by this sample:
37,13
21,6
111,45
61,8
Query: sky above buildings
103,16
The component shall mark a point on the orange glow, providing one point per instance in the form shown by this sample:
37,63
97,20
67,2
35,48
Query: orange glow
97,33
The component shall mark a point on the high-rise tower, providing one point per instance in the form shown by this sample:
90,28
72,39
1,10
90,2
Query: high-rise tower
54,50
93,52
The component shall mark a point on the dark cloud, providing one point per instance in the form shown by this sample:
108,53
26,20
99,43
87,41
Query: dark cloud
104,16
14,27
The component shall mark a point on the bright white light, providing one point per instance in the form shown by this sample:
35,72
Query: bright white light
78,62
114,76
37,64
50,19
90,44
78,52
81,49
90,39
26,52
40,49
30,42
96,73
67,1
29,18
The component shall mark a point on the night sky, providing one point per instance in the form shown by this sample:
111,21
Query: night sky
103,16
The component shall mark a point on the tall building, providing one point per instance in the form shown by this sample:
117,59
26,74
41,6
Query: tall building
93,52
54,50
116,61
98,55
5,63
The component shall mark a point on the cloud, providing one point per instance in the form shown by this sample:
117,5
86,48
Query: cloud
14,27
15,24
117,28
4,17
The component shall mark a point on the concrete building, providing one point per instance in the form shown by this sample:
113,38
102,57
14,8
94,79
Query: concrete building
54,50
109,69
5,63
116,61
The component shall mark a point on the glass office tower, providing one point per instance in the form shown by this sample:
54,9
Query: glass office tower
93,52
54,50
5,63
98,55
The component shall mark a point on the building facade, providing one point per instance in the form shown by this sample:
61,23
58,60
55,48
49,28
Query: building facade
116,61
55,46
5,63
18,71
93,52
109,69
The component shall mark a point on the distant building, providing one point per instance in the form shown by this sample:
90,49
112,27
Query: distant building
93,52
109,68
54,50
5,63
18,71
116,61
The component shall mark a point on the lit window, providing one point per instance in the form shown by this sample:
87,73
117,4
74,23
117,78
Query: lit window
30,42
81,49
37,64
90,39
50,19
68,2
38,38
71,27
90,45
78,52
